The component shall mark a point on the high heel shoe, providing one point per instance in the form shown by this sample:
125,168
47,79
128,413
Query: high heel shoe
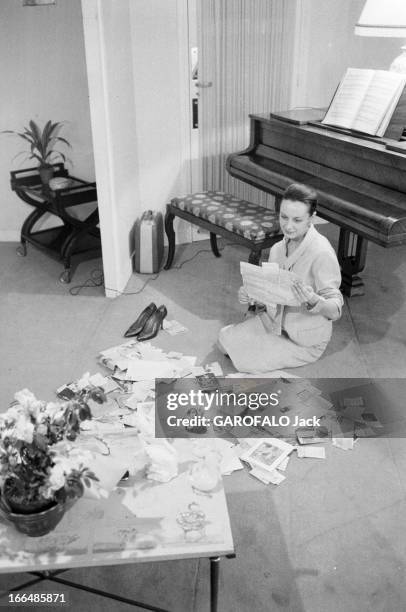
153,324
139,324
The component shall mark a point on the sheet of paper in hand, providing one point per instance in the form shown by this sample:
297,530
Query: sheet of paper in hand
269,284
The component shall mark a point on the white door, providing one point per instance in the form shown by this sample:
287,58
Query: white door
196,171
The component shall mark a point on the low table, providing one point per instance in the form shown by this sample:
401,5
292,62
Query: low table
75,236
141,521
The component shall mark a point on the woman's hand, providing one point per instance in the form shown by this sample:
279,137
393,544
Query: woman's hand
304,293
243,296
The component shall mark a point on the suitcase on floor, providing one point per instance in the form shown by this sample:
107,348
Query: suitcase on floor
149,242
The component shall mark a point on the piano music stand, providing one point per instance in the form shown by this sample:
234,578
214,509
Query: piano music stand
394,131
397,123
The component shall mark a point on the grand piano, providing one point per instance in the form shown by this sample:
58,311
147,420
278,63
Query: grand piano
361,181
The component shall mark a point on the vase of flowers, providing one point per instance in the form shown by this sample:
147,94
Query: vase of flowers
41,472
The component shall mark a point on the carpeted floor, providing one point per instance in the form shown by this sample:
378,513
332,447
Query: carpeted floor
331,537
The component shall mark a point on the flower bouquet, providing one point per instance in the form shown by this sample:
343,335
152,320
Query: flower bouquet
41,473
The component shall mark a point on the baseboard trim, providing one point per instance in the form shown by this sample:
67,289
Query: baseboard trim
9,236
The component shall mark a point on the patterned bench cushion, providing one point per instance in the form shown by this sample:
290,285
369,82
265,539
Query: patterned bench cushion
238,216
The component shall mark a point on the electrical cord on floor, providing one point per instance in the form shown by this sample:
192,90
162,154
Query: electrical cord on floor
97,277
96,280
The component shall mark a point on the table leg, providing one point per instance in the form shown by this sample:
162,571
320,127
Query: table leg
26,230
67,250
214,582
22,249
68,246
19,587
52,576
66,276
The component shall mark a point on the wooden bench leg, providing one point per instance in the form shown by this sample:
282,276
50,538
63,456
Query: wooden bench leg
213,244
254,257
169,217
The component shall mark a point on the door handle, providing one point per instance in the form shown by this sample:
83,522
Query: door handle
204,84
195,113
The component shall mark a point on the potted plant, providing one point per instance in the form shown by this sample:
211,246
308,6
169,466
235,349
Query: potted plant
41,471
42,146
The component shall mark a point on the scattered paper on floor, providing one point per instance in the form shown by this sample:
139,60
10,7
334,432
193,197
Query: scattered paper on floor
311,452
343,443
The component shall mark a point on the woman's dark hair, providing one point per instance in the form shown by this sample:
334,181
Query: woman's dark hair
297,192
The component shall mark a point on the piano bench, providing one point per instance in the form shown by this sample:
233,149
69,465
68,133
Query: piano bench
225,215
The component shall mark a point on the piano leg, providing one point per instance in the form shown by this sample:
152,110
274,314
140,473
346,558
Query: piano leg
352,253
169,217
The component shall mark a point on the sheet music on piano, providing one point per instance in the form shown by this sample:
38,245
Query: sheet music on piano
365,100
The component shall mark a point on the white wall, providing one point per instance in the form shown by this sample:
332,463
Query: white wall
43,76
134,72
108,45
327,45
160,54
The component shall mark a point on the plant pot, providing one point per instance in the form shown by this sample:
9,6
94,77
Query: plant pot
46,173
36,523
28,508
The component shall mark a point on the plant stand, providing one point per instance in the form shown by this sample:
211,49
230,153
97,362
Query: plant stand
75,237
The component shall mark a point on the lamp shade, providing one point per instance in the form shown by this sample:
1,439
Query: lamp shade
383,18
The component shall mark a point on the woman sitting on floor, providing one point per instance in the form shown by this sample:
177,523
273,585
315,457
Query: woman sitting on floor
291,336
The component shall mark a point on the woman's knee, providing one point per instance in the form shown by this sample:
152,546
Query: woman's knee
221,339
221,347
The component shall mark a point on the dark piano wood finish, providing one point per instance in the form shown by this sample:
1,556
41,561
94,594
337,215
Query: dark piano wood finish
361,184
